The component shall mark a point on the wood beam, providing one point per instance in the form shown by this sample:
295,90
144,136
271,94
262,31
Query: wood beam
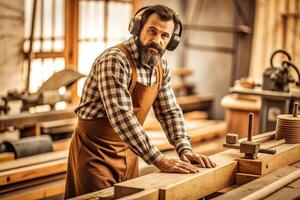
256,185
187,186
48,55
31,172
71,40
286,154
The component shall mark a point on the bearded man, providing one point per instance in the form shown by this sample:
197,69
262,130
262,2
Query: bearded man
125,81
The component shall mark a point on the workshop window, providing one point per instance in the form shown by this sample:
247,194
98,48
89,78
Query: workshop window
101,24
47,56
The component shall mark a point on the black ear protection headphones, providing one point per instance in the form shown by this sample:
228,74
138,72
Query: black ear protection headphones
135,26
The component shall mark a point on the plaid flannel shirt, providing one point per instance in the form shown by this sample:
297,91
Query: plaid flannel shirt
105,94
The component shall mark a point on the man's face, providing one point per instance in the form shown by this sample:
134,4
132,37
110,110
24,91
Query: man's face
154,39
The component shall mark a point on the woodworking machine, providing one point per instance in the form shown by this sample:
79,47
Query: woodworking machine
279,91
278,78
48,93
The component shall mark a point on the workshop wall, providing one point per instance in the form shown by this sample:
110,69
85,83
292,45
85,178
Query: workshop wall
212,68
11,40
277,26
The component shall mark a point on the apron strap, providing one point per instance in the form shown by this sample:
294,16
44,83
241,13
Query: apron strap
133,66
160,73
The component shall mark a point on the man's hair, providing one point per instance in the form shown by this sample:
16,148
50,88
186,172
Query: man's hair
164,13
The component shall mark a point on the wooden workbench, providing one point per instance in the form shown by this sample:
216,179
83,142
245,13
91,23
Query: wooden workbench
44,174
207,181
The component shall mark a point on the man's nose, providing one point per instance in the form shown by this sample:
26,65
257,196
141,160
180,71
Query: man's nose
157,40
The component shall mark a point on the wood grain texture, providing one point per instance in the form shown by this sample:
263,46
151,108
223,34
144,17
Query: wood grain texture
253,186
31,172
274,29
151,194
266,163
242,178
37,192
32,160
7,156
106,194
31,183
188,186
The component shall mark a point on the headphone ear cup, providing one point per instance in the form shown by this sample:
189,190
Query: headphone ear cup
135,26
173,42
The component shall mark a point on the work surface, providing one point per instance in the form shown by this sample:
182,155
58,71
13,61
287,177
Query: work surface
41,176
230,165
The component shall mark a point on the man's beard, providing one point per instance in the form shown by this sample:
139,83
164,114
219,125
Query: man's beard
147,56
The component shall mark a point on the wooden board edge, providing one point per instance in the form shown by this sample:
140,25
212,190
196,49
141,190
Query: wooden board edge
31,172
149,194
242,178
273,162
180,190
37,192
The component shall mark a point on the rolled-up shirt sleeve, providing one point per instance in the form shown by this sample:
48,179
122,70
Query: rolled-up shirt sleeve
170,115
114,78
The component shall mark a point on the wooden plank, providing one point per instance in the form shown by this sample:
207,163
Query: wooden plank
181,71
194,102
259,183
32,160
186,186
30,183
290,28
107,193
221,192
37,192
261,137
279,28
61,145
27,119
266,163
143,195
242,178
297,42
256,65
195,115
265,145
290,191
209,132
273,187
7,156
58,123
198,130
31,172
201,186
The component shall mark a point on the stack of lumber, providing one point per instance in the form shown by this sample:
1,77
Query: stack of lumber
43,176
230,165
283,183
198,130
185,93
17,175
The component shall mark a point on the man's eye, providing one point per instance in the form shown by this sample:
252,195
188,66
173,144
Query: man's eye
151,31
164,36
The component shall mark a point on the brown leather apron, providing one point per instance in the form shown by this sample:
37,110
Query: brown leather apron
98,158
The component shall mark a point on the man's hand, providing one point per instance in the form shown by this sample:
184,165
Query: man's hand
175,166
190,157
